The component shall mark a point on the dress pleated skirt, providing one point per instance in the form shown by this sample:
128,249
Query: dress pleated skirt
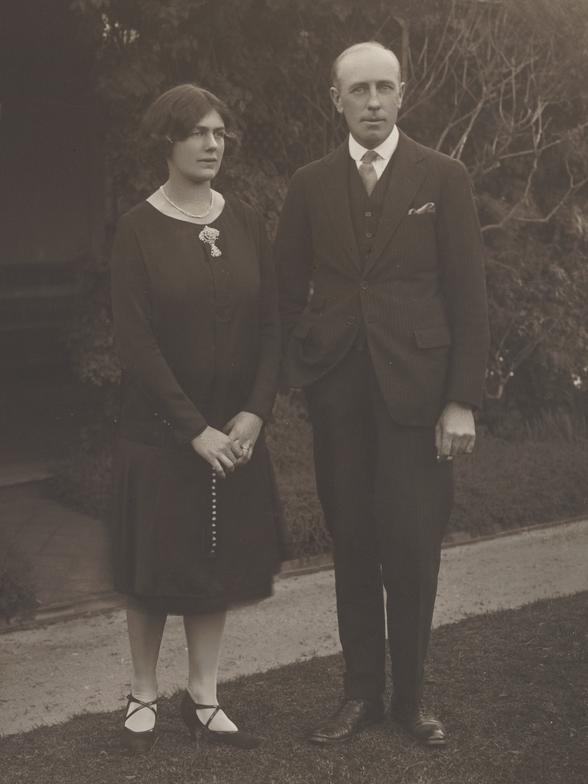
183,544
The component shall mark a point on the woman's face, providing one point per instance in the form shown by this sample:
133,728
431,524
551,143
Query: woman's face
198,157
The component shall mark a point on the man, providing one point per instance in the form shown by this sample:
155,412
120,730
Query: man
384,311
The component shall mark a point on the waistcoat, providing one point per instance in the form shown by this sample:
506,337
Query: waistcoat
366,210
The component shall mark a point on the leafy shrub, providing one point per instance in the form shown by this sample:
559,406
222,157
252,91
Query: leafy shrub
84,478
290,442
508,484
515,69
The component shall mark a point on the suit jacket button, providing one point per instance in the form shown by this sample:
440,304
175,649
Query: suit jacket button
350,321
364,285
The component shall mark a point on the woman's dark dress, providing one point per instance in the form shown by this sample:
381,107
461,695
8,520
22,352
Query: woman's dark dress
198,339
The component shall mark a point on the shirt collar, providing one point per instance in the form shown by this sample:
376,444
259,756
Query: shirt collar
385,150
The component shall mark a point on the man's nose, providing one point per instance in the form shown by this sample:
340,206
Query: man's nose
374,98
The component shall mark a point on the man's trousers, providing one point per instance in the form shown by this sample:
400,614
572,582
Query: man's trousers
386,501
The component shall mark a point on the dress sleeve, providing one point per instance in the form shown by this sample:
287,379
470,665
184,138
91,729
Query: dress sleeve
265,386
137,345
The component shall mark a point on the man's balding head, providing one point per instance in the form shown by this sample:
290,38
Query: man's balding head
358,48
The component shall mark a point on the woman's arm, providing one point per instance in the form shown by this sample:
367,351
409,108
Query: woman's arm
137,345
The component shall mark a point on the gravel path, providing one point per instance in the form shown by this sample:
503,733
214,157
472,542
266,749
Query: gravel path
49,674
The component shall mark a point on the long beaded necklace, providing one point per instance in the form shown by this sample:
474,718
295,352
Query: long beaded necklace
185,212
212,544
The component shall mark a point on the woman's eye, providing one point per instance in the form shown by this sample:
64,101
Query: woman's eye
199,133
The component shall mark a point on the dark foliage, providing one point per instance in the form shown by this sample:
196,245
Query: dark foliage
498,85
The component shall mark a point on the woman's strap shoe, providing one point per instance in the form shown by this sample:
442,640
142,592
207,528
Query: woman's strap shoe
136,741
197,728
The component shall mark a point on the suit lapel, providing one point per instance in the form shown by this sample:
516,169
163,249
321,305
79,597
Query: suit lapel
406,177
335,187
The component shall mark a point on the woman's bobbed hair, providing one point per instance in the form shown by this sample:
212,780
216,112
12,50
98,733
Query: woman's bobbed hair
173,116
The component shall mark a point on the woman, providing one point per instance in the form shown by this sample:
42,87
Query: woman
196,326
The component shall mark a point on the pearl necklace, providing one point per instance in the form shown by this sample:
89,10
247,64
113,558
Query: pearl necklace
185,212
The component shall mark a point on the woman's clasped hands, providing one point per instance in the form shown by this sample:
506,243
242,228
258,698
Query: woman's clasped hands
227,449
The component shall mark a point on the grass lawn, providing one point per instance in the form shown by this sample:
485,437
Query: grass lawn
512,688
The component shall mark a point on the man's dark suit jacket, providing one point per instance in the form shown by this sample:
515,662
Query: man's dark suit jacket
419,296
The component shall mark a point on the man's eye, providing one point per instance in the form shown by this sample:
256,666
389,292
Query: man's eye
197,133
220,135
358,89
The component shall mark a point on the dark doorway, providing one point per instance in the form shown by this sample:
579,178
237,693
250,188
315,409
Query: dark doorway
51,214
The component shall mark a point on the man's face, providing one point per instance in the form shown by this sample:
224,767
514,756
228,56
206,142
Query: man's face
368,92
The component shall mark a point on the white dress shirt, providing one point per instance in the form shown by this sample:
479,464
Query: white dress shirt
385,150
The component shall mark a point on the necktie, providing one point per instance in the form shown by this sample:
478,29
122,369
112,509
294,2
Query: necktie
367,171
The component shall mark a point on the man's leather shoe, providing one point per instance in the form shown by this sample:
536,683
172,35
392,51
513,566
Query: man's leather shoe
420,725
352,717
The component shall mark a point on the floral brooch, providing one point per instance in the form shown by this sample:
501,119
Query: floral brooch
209,237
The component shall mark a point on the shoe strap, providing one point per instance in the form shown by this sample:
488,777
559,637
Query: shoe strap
140,705
200,706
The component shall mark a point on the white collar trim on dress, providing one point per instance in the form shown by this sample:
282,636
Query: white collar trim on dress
216,207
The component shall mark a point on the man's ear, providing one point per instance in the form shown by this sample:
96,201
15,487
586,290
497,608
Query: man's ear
336,98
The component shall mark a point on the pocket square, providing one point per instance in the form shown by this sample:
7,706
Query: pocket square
428,207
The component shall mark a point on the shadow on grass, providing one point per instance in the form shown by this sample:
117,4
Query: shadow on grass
511,688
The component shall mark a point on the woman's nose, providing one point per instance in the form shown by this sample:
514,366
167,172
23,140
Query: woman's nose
211,141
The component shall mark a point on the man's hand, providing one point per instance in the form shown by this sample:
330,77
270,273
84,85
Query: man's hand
244,428
220,451
455,432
